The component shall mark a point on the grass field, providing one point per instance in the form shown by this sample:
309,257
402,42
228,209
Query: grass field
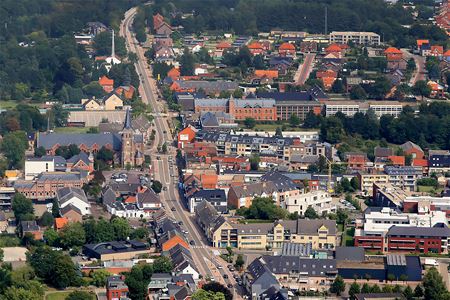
429,189
347,238
254,221
8,104
71,129
57,296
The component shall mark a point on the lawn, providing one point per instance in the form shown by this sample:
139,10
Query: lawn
273,127
71,129
253,221
347,238
57,296
429,189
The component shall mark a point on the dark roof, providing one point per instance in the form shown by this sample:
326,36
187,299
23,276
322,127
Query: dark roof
113,247
65,194
149,196
127,123
29,226
383,152
70,207
48,140
210,195
419,231
294,264
209,120
349,254
282,183
313,94
383,296
402,170
81,156
296,249
206,213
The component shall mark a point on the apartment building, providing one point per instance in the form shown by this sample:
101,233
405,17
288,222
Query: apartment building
358,37
321,234
367,180
403,176
439,161
319,200
389,229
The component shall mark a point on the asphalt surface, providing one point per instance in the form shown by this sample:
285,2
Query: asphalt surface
207,262
304,69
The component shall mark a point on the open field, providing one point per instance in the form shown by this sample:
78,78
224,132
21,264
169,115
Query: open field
71,129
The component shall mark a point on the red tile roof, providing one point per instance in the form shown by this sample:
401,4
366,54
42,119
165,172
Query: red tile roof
333,48
447,53
286,46
420,162
60,223
392,50
255,45
105,81
223,45
397,160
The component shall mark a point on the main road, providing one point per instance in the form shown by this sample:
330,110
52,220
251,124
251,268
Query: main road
163,168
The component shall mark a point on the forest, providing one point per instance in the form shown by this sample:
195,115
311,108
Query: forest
252,16
38,54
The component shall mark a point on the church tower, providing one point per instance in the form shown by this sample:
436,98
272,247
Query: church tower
128,150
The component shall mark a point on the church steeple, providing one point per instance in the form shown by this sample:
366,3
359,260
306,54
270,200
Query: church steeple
127,123
113,50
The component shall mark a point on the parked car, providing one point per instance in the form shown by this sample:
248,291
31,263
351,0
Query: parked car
173,209
192,243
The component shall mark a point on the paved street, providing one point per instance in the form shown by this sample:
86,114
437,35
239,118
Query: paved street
304,69
418,73
207,262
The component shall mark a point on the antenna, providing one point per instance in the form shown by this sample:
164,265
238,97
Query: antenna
326,20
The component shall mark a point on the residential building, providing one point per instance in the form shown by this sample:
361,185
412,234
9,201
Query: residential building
209,87
37,165
350,108
242,196
286,49
116,250
183,263
6,196
439,161
116,288
363,38
186,136
75,197
403,176
258,278
106,83
367,180
321,234
320,201
32,228
216,197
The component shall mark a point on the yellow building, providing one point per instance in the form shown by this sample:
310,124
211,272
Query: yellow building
321,234
112,101
367,180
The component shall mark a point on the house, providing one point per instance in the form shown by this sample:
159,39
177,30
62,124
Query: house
437,90
216,197
115,250
60,223
37,165
163,29
106,83
393,54
258,278
383,152
356,161
81,162
409,148
439,161
437,51
328,77
286,49
73,196
157,20
116,288
174,73
3,222
256,48
242,196
183,263
127,91
186,136
112,101
32,228
220,48
335,50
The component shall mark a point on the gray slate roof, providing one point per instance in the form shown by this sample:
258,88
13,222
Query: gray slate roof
419,231
65,194
208,86
48,140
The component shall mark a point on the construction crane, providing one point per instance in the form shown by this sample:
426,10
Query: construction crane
330,165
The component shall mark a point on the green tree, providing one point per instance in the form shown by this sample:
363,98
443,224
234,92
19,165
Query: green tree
338,286
162,264
310,213
239,264
294,120
338,86
358,93
354,289
80,295
254,162
157,186
408,293
201,294
187,62
354,182
22,208
136,283
99,277
46,219
421,88
218,288
13,146
249,123
434,286
58,115
365,289
121,228
39,151
418,291
51,237
18,293
94,89
72,234
311,120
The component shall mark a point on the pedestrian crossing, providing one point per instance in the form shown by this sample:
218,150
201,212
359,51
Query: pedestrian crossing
199,247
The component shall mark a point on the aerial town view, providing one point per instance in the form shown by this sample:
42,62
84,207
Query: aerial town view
224,149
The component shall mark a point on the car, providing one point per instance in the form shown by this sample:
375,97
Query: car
158,157
173,209
192,243
232,269
165,188
230,286
236,276
219,267
225,276
180,223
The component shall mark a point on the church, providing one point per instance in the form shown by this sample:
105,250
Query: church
127,144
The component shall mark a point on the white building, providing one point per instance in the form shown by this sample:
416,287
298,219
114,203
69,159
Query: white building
350,108
320,201
357,37
36,165
75,197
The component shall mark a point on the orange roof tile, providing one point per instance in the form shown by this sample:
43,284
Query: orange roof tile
333,48
104,80
267,73
286,46
392,50
397,160
209,181
255,45
223,45
174,73
130,199
437,49
420,162
421,42
60,222
447,53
